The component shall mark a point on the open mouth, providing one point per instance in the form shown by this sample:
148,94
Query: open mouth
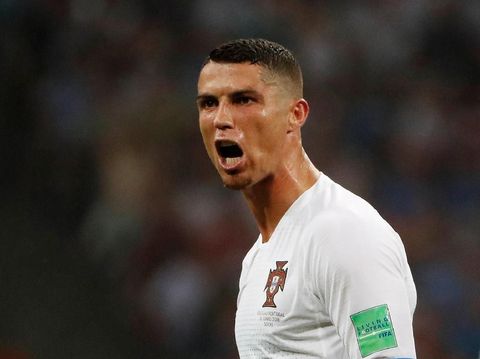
229,151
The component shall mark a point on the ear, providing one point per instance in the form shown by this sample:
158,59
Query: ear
298,114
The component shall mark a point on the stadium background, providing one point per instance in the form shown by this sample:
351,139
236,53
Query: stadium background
117,238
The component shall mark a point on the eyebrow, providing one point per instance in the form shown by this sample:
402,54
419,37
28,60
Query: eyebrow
203,97
230,95
245,92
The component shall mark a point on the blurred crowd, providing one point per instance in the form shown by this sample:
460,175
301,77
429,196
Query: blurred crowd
117,238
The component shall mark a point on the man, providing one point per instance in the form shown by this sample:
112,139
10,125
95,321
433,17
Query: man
327,277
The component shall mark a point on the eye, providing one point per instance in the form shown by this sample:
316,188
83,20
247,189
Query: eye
207,102
243,100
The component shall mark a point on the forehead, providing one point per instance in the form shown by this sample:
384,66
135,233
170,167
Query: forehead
230,77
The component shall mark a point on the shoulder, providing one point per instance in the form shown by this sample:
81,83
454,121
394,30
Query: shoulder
346,229
336,210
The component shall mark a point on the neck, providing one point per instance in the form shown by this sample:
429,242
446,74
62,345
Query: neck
271,198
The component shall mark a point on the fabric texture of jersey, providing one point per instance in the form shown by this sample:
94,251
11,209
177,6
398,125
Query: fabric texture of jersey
332,282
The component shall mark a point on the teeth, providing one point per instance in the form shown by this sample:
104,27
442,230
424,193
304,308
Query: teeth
232,160
227,144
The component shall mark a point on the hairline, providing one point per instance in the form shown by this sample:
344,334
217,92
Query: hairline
295,86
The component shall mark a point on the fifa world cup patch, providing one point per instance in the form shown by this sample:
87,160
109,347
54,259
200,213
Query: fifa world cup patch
374,330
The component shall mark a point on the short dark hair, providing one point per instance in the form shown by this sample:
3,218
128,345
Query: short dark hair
271,55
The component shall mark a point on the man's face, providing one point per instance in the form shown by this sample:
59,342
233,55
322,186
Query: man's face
243,117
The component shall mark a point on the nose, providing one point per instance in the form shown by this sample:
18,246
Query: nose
223,118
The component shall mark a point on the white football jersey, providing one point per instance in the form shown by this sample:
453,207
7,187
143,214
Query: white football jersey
332,282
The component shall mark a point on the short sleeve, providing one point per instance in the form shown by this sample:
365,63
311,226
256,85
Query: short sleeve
366,285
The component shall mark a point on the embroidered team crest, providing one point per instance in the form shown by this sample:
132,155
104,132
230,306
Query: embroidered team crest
276,280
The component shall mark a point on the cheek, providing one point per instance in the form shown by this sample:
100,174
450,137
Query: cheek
205,126
272,132
206,132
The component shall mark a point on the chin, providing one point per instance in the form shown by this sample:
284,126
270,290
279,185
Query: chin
234,186
235,183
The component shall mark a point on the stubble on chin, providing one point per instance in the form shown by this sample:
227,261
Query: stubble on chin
236,184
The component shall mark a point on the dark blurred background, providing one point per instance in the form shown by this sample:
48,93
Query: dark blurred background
117,239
